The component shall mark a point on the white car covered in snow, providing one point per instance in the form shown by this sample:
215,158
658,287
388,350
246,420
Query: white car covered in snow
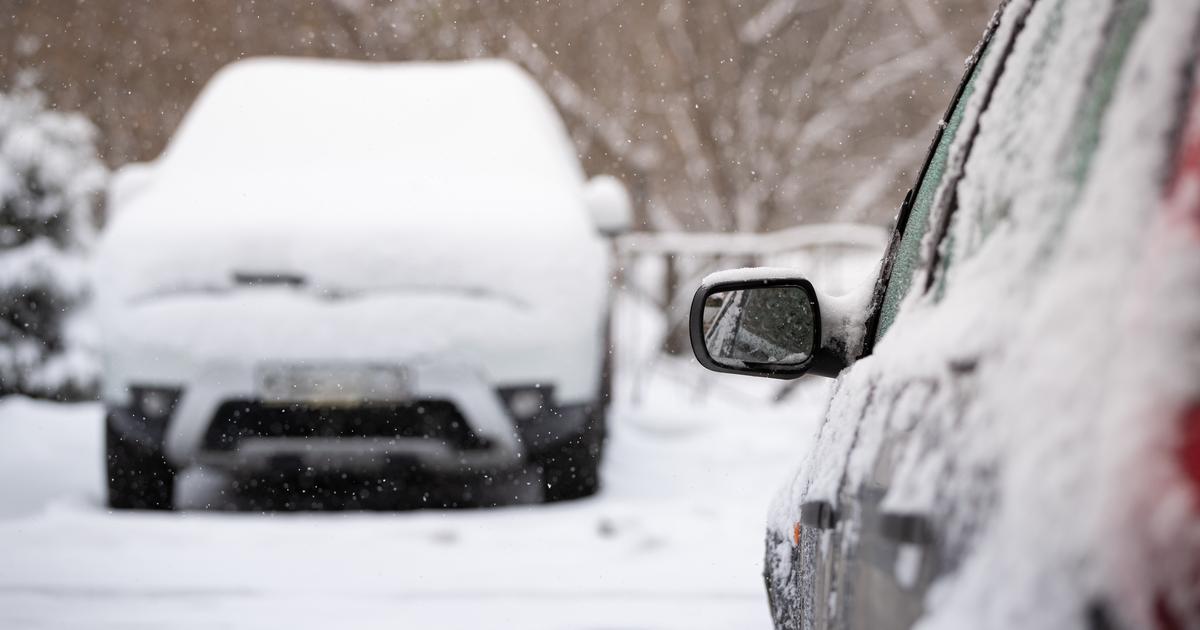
358,268
1014,436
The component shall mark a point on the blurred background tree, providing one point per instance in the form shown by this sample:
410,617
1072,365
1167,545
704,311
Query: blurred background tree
719,115
50,180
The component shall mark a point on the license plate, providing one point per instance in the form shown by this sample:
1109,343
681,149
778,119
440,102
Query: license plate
333,384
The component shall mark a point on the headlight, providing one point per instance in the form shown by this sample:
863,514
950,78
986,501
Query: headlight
526,403
154,403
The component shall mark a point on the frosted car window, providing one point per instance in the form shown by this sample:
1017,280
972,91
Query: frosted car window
1084,137
909,250
1078,146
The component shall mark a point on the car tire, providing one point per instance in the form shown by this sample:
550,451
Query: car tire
139,477
572,471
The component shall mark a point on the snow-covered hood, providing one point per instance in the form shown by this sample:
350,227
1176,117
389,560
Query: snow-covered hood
245,327
519,244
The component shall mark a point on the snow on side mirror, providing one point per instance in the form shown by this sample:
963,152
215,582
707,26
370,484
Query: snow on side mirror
608,202
760,322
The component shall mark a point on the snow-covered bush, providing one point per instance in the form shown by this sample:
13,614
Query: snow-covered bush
50,180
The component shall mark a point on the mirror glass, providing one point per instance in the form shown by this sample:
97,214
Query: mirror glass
763,326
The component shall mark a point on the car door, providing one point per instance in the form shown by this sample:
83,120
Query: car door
903,477
891,558
828,552
913,524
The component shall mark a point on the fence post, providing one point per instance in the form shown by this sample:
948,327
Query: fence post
676,341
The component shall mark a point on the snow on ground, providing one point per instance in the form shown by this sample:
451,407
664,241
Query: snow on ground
673,541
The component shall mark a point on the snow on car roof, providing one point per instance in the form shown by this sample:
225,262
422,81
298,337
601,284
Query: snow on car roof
357,176
480,116
270,139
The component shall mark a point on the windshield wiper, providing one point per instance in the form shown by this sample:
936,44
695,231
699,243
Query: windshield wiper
256,279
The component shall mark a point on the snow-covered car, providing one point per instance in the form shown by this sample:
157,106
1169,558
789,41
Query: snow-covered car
358,268
1013,439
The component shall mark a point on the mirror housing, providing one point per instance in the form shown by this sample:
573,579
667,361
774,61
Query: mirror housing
759,294
128,182
609,205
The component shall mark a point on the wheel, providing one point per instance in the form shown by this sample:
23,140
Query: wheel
573,470
139,477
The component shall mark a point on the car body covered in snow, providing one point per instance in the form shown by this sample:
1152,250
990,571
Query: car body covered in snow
1014,435
357,268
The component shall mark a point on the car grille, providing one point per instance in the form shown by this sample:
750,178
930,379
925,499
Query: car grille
436,420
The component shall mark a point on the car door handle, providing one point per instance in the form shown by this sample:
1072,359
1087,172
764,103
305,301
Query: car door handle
818,514
905,528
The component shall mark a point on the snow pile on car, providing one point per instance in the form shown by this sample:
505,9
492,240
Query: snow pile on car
342,177
1039,383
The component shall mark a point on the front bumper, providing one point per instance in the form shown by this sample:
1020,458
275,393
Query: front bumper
454,421
358,456
480,407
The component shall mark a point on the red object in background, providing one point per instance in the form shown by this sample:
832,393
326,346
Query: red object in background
1183,208
1166,616
1183,190
1189,448
1183,205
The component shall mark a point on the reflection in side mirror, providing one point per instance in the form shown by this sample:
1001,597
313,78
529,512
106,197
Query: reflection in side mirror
760,322
765,327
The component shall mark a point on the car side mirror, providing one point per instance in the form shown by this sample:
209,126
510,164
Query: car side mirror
760,322
128,182
609,205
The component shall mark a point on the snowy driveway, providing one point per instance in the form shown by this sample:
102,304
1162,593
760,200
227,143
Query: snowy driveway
673,541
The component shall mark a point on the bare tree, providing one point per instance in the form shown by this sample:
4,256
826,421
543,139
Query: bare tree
732,116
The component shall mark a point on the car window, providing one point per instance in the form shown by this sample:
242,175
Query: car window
1077,150
909,248
1084,136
